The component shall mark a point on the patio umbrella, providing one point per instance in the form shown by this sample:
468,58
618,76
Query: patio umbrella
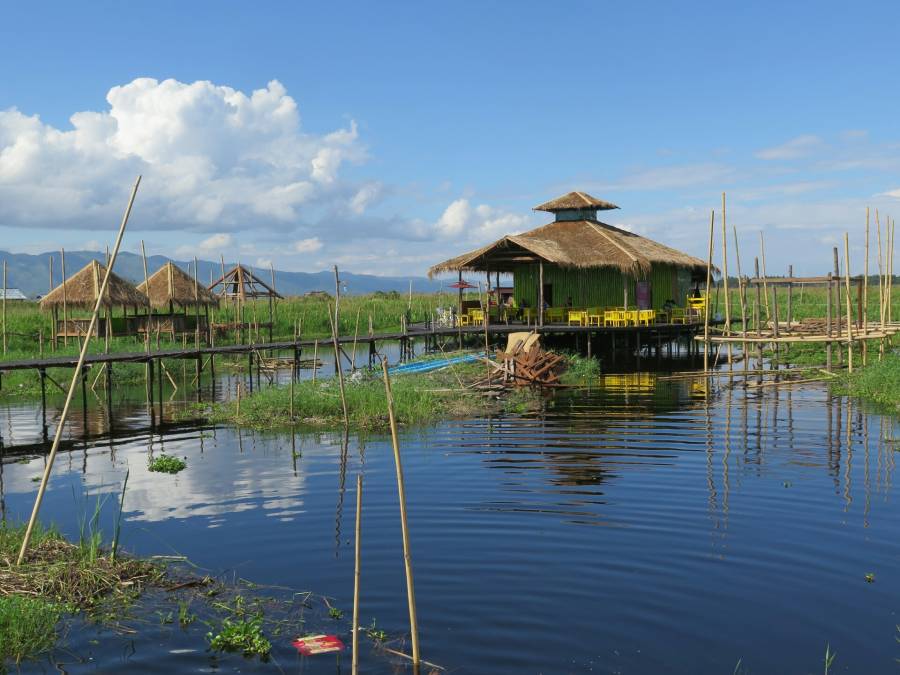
462,284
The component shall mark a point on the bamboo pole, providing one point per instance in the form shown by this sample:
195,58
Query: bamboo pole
742,292
725,279
712,225
407,556
865,312
847,294
4,308
356,570
315,359
762,251
340,371
50,290
62,252
149,307
355,337
880,274
75,377
890,293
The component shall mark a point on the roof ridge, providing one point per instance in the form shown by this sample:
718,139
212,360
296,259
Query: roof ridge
612,241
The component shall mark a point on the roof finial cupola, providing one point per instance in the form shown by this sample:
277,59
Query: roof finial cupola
575,206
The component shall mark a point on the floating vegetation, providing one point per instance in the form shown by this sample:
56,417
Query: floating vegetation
870,577
167,464
242,635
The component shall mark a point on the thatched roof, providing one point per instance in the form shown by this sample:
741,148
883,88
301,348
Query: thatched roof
572,243
83,287
575,200
172,284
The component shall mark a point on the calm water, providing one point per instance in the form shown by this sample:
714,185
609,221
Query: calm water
643,526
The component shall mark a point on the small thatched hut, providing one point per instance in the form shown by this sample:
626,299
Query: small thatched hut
81,290
579,259
170,286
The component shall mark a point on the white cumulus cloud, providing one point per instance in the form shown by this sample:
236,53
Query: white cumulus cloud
310,245
479,224
211,157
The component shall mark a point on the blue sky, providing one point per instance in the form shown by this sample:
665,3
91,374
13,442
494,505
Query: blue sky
387,136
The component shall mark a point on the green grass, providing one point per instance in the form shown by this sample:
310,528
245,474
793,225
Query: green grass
878,382
27,627
166,464
241,635
419,399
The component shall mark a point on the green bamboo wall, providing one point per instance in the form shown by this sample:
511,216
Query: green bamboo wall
597,287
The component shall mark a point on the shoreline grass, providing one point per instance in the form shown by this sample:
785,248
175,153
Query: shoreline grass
878,382
419,399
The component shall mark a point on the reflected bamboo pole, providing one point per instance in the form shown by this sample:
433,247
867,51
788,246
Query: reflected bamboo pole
847,295
712,225
407,557
356,569
75,378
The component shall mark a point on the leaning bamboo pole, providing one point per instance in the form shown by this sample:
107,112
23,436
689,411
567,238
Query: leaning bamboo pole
847,294
712,225
356,570
725,279
407,556
337,365
75,377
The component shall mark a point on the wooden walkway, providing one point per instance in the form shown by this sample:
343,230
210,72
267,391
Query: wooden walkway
646,333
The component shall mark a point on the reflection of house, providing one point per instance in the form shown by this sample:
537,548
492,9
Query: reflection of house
578,260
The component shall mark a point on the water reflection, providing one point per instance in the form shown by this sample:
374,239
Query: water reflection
613,527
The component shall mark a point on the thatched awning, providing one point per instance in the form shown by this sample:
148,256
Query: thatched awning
171,284
83,287
574,243
575,200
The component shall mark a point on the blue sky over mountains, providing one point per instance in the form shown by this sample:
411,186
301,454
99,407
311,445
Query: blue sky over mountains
386,136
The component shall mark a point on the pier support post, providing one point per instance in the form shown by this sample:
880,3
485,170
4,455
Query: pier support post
250,370
43,373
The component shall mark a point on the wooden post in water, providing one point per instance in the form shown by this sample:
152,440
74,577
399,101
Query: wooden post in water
762,252
4,308
337,364
837,299
407,556
712,225
541,293
849,321
356,572
62,261
355,338
50,290
828,324
742,296
865,302
78,371
725,281
315,359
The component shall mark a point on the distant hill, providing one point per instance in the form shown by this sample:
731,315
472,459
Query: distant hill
31,274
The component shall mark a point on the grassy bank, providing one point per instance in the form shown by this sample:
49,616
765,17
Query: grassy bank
878,382
56,578
418,399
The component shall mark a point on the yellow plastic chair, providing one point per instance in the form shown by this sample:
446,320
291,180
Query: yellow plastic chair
555,314
646,317
595,319
476,316
465,320
577,317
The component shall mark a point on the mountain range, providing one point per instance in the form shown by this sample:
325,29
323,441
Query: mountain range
31,274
